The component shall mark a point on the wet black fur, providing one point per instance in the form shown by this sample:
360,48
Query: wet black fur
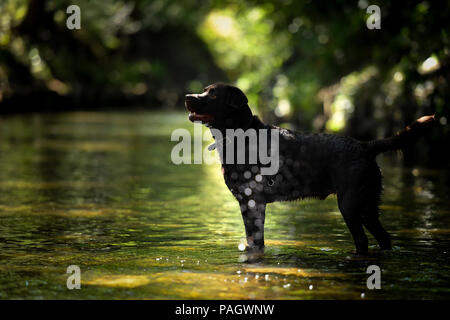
311,165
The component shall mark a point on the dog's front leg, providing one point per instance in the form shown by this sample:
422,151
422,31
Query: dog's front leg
253,214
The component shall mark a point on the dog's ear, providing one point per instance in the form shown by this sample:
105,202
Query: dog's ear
235,98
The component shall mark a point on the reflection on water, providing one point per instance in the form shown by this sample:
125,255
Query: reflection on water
98,190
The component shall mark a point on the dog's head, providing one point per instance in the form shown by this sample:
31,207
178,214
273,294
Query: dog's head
220,106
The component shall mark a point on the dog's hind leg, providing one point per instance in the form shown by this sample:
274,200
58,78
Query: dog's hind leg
372,223
352,209
253,214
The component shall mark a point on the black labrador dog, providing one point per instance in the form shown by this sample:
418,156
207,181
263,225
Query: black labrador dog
310,165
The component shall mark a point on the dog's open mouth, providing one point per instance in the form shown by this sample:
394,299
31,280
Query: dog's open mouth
194,116
200,117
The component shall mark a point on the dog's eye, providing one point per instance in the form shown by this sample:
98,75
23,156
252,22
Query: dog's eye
211,94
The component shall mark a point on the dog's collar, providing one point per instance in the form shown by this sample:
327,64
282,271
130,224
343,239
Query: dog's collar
223,142
227,140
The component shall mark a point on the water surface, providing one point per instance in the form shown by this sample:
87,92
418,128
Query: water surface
99,190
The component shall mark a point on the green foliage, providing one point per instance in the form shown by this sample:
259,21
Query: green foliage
120,52
301,49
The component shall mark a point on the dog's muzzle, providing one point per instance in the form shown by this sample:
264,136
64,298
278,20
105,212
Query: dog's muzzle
192,102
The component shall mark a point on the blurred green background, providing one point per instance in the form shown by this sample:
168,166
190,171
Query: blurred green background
86,176
308,65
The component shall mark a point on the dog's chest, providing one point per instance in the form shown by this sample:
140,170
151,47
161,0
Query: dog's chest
246,182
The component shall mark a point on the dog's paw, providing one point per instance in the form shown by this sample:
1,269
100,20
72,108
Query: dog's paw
254,249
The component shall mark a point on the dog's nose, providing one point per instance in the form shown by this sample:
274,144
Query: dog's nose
190,97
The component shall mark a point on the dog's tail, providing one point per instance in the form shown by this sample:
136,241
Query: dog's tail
404,138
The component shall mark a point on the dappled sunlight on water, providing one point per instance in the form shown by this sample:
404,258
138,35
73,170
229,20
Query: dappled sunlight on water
99,191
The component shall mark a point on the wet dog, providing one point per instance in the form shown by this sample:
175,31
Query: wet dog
310,165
